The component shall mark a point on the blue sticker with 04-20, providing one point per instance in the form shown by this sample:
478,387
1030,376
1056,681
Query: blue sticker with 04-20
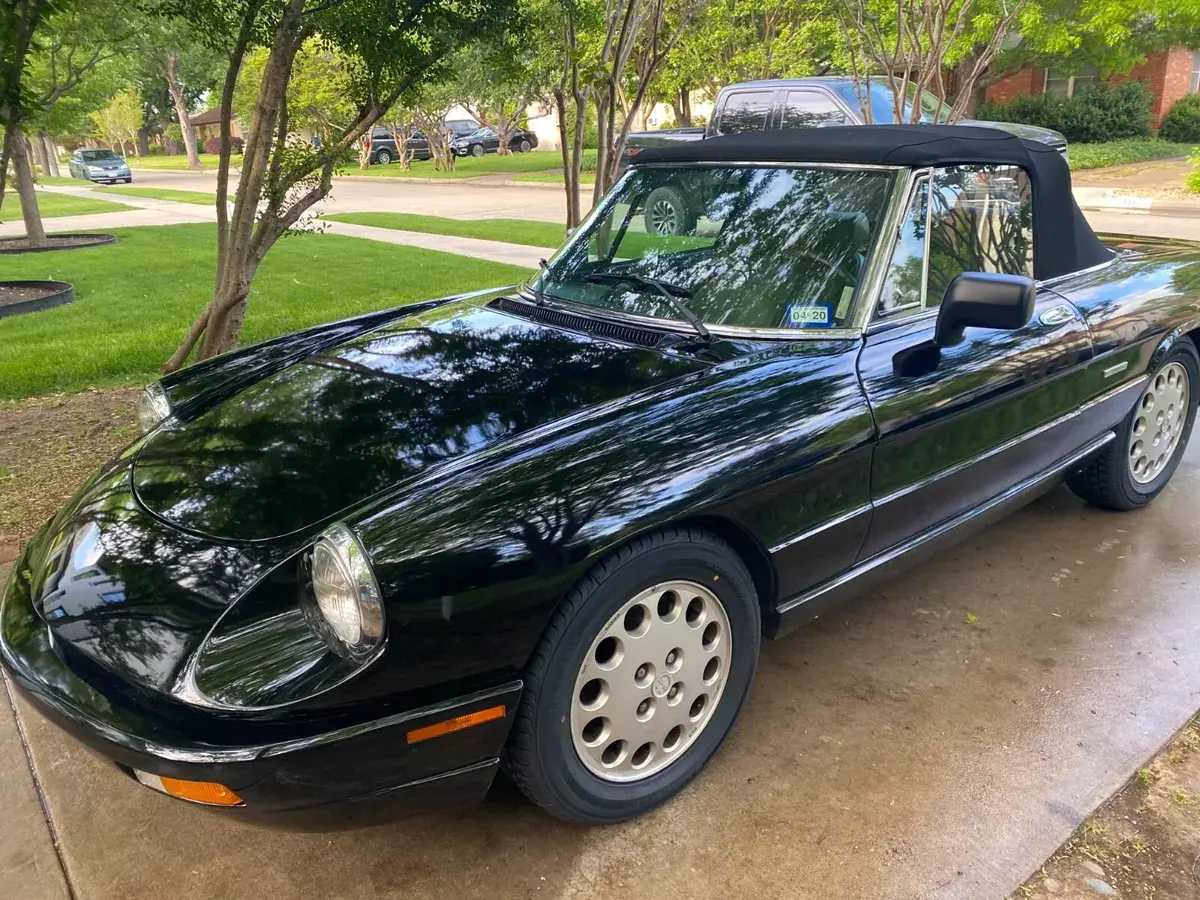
809,315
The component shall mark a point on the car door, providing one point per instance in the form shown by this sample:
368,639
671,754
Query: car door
959,425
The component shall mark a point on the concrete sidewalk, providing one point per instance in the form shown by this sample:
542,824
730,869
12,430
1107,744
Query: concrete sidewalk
152,211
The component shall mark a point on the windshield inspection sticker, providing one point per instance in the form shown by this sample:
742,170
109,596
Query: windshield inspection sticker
809,315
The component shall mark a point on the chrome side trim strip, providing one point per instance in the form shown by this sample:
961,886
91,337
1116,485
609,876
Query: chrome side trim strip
1096,268
937,531
1012,442
824,526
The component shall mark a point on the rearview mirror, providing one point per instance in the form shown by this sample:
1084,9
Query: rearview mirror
983,300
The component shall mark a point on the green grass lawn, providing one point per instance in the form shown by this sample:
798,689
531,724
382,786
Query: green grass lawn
468,166
512,231
1127,150
54,206
207,161
137,298
200,198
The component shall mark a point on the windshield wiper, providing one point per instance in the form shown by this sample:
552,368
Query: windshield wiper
669,292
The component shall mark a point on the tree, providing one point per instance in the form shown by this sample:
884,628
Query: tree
598,43
499,80
73,38
389,47
120,120
742,40
913,42
318,91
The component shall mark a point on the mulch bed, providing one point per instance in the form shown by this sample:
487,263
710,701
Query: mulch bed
56,242
19,297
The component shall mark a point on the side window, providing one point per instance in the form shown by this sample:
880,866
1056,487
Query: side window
967,219
746,111
380,132
904,288
980,220
808,109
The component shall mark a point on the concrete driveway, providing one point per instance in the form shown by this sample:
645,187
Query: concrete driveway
893,751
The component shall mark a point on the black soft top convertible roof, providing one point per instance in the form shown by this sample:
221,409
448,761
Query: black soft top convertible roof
1063,242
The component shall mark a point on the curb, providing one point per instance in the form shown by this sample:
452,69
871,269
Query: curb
544,185
1108,200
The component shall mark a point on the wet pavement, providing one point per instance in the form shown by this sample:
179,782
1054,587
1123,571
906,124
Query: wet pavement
894,751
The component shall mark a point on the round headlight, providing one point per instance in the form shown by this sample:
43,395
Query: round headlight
346,609
153,406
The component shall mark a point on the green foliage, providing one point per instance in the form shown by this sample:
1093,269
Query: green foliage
1099,112
135,294
1182,123
120,119
1191,181
1127,150
318,93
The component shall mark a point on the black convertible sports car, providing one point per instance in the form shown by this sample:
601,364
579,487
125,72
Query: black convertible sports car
543,528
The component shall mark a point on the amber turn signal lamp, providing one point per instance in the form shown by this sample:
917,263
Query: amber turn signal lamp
207,792
458,723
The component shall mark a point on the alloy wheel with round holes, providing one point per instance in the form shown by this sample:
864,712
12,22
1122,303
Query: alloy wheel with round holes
1133,469
650,681
1154,437
638,678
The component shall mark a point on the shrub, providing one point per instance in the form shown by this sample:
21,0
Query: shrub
1191,181
1099,112
1182,123
213,145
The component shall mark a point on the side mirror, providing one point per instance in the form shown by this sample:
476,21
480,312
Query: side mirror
983,300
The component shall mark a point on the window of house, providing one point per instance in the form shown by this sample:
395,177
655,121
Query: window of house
1059,85
967,219
1194,82
808,109
746,111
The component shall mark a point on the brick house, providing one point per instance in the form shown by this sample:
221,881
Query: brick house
1169,75
208,125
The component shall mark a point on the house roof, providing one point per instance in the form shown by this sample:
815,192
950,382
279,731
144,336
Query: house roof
212,117
1063,240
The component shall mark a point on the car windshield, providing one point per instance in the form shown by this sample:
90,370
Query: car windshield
755,247
482,132
883,106
93,155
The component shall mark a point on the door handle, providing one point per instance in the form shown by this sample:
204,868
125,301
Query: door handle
1057,315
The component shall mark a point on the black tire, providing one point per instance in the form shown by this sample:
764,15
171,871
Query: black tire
383,157
1107,481
541,758
524,146
668,212
477,149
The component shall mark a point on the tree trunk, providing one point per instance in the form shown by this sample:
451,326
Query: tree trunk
51,154
39,154
181,110
681,103
34,231
143,140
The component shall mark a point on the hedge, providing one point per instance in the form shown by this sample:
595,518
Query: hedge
213,145
1098,112
1182,123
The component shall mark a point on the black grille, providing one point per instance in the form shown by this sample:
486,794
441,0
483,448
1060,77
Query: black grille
575,322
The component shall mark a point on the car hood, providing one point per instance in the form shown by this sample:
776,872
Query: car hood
302,445
1029,132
